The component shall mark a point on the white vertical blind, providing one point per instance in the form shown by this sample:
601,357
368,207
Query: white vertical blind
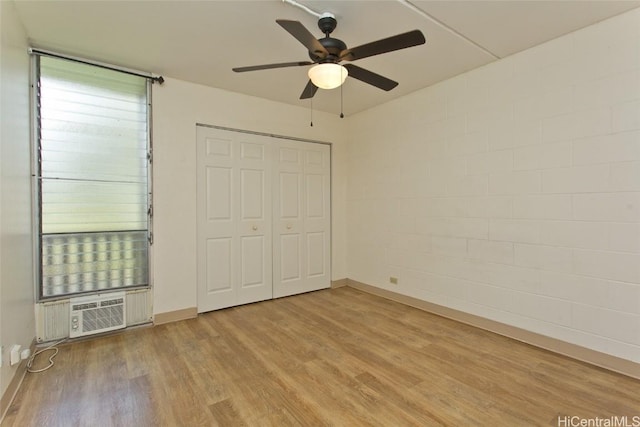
93,146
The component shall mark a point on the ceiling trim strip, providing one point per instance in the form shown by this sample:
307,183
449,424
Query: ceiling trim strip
444,26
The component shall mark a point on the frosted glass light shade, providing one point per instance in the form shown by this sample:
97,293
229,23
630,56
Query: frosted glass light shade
328,76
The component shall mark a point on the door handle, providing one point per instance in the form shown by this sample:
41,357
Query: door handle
288,226
254,228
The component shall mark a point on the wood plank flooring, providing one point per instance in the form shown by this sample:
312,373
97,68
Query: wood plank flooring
337,357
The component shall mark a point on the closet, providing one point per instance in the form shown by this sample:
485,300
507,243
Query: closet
263,217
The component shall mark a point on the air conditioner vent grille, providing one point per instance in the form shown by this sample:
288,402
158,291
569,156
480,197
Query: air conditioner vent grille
102,318
78,307
95,314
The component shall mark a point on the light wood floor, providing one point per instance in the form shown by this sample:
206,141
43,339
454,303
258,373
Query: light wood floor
335,357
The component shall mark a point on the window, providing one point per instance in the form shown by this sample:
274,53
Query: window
92,168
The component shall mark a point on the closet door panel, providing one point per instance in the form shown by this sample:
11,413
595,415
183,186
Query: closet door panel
290,262
302,195
219,277
234,224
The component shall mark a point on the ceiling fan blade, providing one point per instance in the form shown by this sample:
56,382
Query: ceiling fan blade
268,66
309,90
297,30
400,41
370,77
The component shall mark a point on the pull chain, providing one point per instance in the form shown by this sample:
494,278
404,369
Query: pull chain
311,103
341,102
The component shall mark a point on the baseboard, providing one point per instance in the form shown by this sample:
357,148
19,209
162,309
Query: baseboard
339,283
174,316
11,391
603,360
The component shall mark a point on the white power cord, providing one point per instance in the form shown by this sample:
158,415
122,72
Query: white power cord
33,356
303,7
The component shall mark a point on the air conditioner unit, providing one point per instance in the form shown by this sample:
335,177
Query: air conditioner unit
97,313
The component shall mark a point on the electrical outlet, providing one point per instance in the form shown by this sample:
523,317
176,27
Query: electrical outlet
393,280
15,354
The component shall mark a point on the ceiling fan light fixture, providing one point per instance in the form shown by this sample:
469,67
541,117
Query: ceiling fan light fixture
328,75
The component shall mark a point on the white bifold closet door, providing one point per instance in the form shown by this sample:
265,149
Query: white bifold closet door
234,224
263,217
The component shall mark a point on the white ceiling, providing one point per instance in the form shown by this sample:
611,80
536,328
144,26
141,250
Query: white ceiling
200,41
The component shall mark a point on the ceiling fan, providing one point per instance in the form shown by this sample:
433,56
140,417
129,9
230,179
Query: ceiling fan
328,52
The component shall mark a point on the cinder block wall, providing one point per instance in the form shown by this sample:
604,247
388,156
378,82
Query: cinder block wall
513,191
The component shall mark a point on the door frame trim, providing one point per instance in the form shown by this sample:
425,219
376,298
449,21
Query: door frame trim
272,135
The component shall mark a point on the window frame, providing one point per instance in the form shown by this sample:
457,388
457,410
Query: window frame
36,174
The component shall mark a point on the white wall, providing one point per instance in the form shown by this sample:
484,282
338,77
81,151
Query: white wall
513,191
17,324
178,106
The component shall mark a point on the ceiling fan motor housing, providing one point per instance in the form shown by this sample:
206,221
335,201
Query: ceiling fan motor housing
327,23
333,46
